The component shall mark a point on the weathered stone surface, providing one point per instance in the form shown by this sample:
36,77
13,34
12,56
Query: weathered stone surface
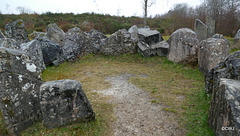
229,68
36,34
201,29
210,22
9,43
16,30
64,102
134,33
74,44
220,36
224,109
98,40
182,43
211,52
149,36
19,90
52,52
236,41
1,34
15,61
34,50
118,43
160,49
54,33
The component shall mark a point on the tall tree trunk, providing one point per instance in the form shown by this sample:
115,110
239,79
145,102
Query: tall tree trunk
145,12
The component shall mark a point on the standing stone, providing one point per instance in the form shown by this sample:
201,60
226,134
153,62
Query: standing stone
118,43
182,44
9,43
54,33
64,102
34,50
16,30
19,90
210,22
134,33
211,52
229,68
201,29
52,52
1,34
236,41
224,110
98,40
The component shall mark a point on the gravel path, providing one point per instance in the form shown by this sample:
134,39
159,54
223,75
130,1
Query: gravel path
134,112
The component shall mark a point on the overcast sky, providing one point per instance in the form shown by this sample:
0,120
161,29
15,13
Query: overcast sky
112,7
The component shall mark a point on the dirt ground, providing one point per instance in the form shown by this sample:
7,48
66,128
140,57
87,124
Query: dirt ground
134,112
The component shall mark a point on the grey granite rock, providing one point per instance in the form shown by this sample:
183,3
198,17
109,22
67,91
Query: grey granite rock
160,49
16,30
98,40
2,35
220,36
64,102
201,29
236,41
55,34
36,34
134,33
9,43
224,113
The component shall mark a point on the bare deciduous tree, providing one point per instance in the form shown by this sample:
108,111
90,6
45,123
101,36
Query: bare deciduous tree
146,4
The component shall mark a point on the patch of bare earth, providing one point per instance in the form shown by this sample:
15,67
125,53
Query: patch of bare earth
134,112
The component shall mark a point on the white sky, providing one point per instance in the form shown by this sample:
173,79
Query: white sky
112,7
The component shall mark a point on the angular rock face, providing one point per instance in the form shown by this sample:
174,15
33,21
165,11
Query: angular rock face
34,50
36,34
54,33
160,49
19,90
64,102
149,36
74,44
201,29
229,68
182,44
9,43
118,43
1,34
211,52
16,30
98,40
236,42
134,33
224,113
220,36
52,52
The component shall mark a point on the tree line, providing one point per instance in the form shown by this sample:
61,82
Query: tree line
225,12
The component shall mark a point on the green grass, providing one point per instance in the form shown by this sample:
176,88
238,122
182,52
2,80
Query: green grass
179,89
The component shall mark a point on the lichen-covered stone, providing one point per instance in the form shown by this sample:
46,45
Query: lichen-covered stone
201,29
36,34
118,43
74,44
211,52
224,110
54,33
182,44
236,41
1,34
34,50
220,36
98,40
64,102
9,43
16,30
52,52
229,68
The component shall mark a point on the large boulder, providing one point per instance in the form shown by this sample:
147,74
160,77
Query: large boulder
52,52
236,41
229,68
1,34
16,30
201,29
160,49
56,34
34,50
224,112
182,44
74,43
118,43
220,36
211,52
19,90
134,33
64,102
98,40
9,43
